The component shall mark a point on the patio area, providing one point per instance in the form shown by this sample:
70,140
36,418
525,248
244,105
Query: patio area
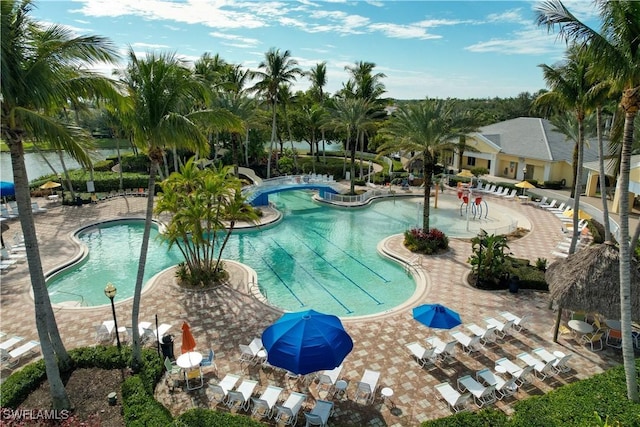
224,317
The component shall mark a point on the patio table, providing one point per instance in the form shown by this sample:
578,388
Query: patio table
580,327
189,360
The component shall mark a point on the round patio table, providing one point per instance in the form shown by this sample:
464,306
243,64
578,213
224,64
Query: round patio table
189,360
580,327
614,324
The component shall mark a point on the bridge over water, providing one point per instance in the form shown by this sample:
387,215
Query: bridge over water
258,195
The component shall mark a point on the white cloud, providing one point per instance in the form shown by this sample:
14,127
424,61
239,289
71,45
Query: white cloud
239,40
529,41
403,31
151,46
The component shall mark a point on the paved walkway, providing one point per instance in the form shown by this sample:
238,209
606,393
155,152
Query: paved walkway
222,318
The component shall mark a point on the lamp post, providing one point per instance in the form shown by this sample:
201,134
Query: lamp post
481,237
524,173
110,291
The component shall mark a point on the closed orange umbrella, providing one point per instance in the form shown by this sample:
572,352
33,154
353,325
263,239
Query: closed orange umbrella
188,342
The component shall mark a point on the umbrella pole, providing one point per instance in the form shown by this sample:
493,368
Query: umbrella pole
157,337
557,327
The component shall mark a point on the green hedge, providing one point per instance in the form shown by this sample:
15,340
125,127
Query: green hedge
589,402
139,406
199,417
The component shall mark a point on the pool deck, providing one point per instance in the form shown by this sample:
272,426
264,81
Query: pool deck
222,318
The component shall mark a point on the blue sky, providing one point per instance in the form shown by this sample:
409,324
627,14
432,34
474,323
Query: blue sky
459,49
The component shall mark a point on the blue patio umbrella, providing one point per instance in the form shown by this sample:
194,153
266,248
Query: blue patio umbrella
306,341
436,316
7,189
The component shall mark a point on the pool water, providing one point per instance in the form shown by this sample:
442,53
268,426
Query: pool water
318,257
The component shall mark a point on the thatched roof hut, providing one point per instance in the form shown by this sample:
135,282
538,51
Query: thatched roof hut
589,280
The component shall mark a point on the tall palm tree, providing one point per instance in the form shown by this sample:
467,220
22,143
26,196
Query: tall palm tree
42,69
353,117
616,53
318,77
571,90
279,68
165,99
424,128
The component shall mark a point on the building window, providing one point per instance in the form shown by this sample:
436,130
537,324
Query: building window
471,161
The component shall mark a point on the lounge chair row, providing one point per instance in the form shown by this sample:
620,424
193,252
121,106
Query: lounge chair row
269,403
10,210
105,332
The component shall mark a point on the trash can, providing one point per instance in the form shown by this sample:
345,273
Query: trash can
167,347
78,201
514,284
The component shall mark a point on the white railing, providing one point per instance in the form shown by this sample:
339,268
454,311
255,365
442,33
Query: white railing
358,198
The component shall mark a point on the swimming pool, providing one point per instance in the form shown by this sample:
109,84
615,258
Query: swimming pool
317,257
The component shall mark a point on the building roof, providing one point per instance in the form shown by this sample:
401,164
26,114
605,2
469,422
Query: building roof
535,138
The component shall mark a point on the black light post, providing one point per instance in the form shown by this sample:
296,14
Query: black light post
481,237
110,291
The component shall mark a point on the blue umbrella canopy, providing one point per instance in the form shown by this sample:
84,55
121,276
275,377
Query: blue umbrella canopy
306,341
436,316
7,189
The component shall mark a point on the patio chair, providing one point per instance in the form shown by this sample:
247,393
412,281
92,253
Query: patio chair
482,395
552,204
327,380
241,398
503,387
35,208
456,400
541,368
5,255
523,376
287,413
594,339
209,361
561,364
614,338
445,352
422,355
171,367
105,331
511,195
221,390
263,406
541,202
319,415
194,379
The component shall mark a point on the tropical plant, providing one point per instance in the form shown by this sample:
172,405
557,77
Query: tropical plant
424,128
163,96
431,242
615,52
43,69
279,68
205,205
489,258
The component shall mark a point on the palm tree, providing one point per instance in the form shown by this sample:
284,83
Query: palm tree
571,90
43,68
616,54
165,111
279,68
424,128
353,117
318,77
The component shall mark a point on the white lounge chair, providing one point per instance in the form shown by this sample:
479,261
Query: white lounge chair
221,390
541,368
18,257
287,413
35,208
519,323
456,400
264,405
6,345
541,202
242,396
552,204
487,335
511,195
469,344
445,351
503,387
367,385
482,395
16,354
502,329
327,379
161,331
422,355
319,415
105,331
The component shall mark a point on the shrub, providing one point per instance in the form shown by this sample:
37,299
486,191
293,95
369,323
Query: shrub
199,417
139,406
430,242
485,418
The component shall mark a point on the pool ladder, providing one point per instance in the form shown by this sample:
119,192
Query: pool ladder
413,263
81,302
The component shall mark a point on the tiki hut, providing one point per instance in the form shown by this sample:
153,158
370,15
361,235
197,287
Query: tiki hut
589,280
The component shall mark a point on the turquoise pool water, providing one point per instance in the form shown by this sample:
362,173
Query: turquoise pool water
317,257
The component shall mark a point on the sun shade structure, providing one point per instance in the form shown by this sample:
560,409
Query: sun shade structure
465,173
7,189
188,342
436,316
49,185
306,341
589,280
524,185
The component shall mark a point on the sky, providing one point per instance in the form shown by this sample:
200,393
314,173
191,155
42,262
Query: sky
435,49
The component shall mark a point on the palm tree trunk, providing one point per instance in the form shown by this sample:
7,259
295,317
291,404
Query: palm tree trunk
273,137
603,177
576,149
427,170
66,175
119,164
136,354
630,103
35,146
174,151
352,178
45,321
246,150
577,184
234,152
